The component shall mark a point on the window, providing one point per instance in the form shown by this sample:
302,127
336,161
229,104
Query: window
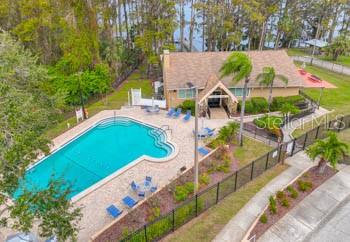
238,92
185,93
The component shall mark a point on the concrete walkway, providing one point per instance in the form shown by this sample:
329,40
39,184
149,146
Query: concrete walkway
321,216
289,128
239,225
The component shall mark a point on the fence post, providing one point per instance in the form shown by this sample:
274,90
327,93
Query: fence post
173,220
267,160
304,145
236,180
252,171
145,228
293,148
279,153
341,121
317,131
329,125
196,205
217,192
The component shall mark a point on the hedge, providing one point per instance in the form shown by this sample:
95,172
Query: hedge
278,102
255,105
187,105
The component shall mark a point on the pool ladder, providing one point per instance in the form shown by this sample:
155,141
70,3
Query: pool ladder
114,121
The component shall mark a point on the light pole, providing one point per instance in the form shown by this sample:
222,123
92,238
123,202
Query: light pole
196,170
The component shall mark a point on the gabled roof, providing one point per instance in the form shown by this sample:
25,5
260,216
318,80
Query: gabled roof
198,67
214,83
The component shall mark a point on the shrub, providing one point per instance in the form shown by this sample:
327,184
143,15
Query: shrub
263,218
293,193
280,195
204,179
273,205
255,105
184,212
181,192
225,167
278,102
285,202
188,105
260,104
304,185
249,107
270,123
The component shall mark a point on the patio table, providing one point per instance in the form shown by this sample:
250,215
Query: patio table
153,109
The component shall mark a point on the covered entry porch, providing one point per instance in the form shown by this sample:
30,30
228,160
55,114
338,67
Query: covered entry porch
218,101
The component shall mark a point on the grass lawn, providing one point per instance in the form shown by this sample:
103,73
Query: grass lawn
249,152
337,99
114,100
210,223
297,52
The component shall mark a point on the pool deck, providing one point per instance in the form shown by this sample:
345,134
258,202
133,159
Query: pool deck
94,204
95,216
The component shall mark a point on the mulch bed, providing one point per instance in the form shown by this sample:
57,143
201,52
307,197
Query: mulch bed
312,176
164,200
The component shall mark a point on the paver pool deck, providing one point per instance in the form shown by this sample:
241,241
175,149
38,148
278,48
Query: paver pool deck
95,203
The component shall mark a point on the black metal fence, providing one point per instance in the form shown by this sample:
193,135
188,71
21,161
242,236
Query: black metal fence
193,207
259,132
302,114
310,99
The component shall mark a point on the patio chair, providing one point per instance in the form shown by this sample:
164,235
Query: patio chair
203,151
170,112
153,189
187,116
148,181
134,186
210,131
141,194
177,113
129,201
114,211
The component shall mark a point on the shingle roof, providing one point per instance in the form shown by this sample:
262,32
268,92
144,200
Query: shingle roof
198,67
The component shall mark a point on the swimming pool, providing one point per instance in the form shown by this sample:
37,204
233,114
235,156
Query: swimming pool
98,153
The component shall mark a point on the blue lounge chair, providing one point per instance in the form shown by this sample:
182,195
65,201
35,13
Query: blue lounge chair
203,151
129,201
210,131
134,186
188,115
141,194
113,211
153,189
177,113
148,181
171,112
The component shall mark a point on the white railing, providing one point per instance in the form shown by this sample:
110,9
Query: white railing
137,100
324,64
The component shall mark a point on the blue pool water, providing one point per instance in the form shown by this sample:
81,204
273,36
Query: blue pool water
104,149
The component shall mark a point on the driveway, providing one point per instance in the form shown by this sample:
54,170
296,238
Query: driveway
336,227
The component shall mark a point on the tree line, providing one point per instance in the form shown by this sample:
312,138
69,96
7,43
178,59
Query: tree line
56,54
85,33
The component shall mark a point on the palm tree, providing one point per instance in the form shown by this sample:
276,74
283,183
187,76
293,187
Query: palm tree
228,132
239,66
329,150
267,78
